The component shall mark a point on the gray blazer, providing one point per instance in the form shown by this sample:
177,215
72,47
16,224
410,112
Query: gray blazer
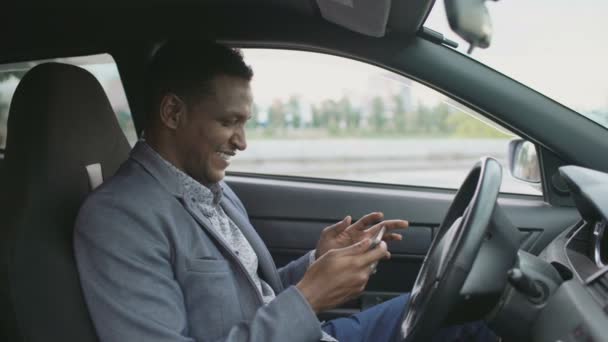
152,269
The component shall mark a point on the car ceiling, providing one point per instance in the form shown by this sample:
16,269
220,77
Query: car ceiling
36,27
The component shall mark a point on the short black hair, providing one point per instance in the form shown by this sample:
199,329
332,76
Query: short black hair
186,68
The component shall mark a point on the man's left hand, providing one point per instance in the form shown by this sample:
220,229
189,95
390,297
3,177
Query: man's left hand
344,233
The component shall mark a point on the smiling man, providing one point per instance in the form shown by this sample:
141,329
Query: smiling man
204,132
165,249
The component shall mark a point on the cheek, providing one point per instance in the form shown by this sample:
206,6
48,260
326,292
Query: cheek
215,138
194,147
203,139
207,146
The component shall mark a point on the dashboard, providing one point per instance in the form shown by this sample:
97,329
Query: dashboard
577,308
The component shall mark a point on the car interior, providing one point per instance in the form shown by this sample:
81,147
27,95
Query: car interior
531,265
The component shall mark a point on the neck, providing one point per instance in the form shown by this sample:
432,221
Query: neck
168,151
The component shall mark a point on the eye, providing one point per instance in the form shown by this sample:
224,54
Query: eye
229,122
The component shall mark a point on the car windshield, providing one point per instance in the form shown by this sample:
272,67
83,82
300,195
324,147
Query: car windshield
556,47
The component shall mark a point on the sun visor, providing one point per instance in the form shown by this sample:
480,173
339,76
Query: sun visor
368,17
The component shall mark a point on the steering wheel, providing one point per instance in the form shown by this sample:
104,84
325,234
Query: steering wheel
465,270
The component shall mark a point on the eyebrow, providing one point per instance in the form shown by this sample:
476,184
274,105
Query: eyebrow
240,115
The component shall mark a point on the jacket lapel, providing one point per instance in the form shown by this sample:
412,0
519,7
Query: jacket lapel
266,264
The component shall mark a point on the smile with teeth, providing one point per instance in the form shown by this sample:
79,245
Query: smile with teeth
225,156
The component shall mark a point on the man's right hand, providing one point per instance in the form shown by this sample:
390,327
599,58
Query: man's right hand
340,275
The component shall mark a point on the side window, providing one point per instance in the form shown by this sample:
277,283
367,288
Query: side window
102,66
330,117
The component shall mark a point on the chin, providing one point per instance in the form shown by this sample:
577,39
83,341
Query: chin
217,176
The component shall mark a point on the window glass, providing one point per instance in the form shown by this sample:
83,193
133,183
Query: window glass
552,46
329,117
102,66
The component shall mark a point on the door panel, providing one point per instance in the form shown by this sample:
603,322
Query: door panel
289,215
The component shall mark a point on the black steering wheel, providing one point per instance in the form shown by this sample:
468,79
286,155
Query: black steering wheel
465,270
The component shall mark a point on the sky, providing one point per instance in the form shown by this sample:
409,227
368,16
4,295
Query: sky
557,47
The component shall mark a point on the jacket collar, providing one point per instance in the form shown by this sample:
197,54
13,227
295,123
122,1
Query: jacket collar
151,161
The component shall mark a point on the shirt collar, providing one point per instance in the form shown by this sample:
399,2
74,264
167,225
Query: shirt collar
191,188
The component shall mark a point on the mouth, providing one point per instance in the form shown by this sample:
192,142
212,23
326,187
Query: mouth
226,155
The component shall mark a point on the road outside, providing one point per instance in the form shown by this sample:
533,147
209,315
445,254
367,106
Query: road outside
442,163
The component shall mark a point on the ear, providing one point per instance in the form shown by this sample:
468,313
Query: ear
172,110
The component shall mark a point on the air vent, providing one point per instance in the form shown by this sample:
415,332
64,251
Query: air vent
600,288
581,238
598,285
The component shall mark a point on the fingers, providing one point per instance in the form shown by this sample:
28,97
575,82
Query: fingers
395,224
392,237
389,224
339,227
342,225
373,231
368,220
356,249
379,252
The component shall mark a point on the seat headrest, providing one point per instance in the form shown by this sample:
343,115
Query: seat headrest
60,121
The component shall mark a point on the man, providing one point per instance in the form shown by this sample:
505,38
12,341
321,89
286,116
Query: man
166,252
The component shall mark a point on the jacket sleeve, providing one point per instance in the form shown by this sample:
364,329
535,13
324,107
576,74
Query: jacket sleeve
124,258
294,271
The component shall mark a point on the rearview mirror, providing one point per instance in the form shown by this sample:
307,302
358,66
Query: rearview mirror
523,161
471,21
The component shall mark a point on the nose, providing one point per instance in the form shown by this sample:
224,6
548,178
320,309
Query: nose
238,138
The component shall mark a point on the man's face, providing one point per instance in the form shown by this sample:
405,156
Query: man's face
213,129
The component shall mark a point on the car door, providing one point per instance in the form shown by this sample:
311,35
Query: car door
331,137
